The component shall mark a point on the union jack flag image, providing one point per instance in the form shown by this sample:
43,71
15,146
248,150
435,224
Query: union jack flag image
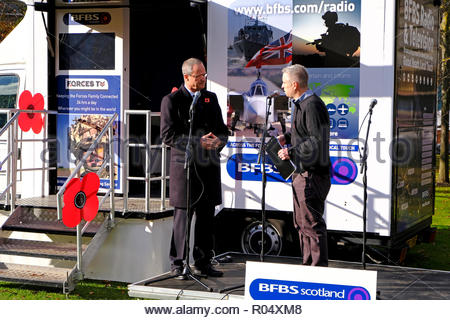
275,53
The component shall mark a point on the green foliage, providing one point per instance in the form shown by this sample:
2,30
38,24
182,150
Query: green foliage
12,12
444,81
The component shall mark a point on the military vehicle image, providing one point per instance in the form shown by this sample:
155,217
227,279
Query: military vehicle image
251,38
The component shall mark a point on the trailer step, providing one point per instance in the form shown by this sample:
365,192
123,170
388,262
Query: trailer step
35,275
44,220
40,249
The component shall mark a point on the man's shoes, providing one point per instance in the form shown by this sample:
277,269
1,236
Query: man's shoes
207,270
177,272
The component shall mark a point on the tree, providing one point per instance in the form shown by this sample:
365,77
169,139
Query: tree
445,82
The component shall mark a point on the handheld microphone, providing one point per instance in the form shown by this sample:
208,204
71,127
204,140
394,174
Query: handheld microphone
197,95
274,94
235,117
373,103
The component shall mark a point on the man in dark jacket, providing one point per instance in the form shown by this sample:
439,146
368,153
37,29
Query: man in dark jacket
309,137
209,136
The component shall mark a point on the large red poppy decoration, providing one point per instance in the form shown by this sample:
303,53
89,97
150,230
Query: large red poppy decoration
28,120
80,200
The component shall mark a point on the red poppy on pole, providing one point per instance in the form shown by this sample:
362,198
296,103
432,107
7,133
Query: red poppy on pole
80,200
28,120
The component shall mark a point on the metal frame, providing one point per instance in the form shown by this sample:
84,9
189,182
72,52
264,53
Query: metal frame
148,148
12,170
12,155
108,127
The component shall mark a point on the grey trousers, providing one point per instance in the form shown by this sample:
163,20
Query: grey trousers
310,191
203,235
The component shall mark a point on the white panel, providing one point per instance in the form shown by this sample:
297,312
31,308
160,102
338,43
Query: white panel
217,52
135,250
24,52
345,203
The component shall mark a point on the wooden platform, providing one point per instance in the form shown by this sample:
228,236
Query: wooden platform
393,283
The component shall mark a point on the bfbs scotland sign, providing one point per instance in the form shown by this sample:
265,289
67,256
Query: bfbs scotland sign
297,282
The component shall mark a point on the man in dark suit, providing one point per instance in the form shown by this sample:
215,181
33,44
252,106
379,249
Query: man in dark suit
310,138
209,136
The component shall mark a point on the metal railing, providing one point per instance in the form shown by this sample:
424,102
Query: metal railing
11,157
110,193
12,170
148,149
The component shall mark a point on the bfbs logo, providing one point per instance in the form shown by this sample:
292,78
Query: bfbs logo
269,289
87,18
244,166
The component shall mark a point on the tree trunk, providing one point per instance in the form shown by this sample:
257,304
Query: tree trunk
445,80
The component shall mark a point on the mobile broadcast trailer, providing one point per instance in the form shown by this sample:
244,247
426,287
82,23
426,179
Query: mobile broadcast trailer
394,61
395,64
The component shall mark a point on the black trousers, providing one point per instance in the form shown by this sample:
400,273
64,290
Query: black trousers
203,235
310,191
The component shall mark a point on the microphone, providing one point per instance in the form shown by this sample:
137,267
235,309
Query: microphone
372,104
197,95
235,117
274,94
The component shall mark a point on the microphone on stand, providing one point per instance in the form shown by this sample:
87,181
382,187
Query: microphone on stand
373,103
274,94
188,155
197,95
282,122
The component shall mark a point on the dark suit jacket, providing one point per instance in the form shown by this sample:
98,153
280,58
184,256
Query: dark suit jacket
310,136
205,171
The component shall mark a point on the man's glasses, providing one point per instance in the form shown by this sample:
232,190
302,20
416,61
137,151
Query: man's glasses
203,75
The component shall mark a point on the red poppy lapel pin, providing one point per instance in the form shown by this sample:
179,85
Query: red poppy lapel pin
80,200
31,120
206,100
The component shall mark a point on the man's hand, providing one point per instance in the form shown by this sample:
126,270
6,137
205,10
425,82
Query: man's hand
283,154
210,141
282,139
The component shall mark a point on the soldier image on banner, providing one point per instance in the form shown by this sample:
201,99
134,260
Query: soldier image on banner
338,47
82,133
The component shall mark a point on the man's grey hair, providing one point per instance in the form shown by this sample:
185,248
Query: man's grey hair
298,74
189,64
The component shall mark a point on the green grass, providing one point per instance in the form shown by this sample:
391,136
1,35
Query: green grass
435,255
441,218
85,290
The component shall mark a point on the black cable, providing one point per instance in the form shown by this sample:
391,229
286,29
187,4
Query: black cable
203,185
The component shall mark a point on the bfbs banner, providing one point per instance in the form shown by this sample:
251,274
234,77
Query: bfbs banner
297,282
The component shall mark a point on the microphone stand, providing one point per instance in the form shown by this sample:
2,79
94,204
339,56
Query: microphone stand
262,162
364,168
187,272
